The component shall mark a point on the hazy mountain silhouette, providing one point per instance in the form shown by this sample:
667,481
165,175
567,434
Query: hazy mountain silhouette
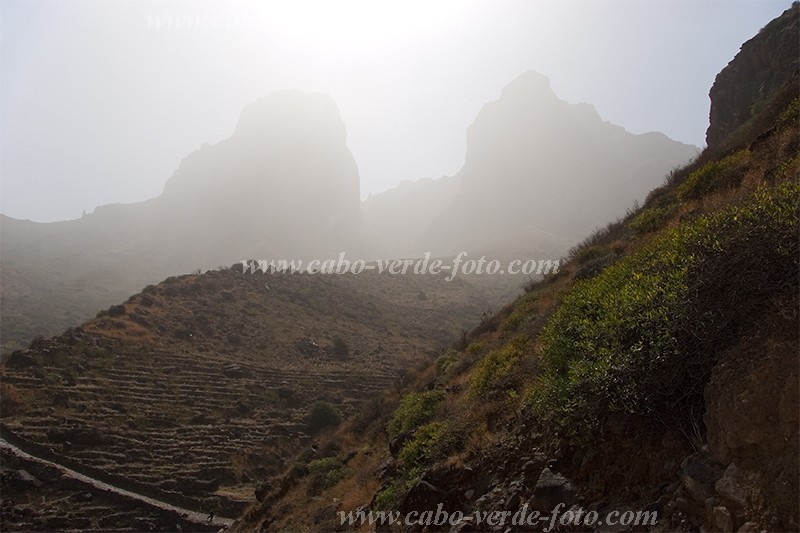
534,161
538,171
283,185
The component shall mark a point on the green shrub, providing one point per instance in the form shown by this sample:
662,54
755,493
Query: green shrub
663,196
495,367
642,336
325,472
786,166
650,220
322,415
713,176
476,348
428,444
391,496
415,409
585,255
790,115
523,308
422,449
592,268
446,361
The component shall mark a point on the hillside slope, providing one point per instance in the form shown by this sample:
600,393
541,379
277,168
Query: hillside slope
656,373
197,387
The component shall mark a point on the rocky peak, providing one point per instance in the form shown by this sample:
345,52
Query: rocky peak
521,174
763,65
285,179
528,84
292,116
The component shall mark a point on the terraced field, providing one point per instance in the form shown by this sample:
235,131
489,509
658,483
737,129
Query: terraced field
195,390
46,496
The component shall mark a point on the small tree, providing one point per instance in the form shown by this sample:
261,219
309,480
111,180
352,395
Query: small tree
339,347
322,415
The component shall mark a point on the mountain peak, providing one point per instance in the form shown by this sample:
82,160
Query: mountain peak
291,114
529,83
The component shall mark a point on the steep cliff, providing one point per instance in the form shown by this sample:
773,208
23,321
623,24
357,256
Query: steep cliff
764,64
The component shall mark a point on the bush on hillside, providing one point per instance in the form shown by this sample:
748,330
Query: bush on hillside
650,220
642,337
492,373
324,473
415,409
322,415
713,176
428,444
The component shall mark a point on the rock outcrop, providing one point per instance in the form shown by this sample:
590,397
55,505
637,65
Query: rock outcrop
763,65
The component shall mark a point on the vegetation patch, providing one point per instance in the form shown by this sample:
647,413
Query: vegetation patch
322,415
477,347
523,309
415,409
324,473
713,176
339,347
642,337
790,115
423,448
445,362
650,220
428,444
493,371
584,255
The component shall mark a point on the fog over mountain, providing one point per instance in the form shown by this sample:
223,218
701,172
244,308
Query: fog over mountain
522,181
551,305
285,185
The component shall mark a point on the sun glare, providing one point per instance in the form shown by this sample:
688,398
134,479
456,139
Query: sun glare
362,21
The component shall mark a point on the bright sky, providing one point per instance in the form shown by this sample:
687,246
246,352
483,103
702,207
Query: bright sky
100,100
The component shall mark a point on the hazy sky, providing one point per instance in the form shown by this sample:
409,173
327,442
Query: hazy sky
101,100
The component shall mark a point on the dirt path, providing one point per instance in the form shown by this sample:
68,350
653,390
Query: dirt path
193,516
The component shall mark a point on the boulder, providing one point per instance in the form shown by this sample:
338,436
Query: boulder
552,489
396,444
736,485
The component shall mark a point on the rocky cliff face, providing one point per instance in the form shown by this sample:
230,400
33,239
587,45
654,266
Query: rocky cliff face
763,65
